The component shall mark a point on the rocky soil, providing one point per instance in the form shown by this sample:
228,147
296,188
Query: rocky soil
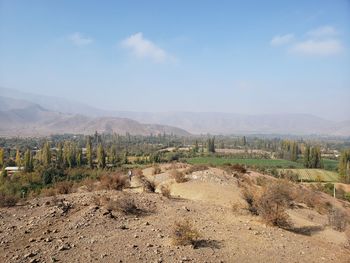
79,227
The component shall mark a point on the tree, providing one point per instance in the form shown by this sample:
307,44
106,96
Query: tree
244,141
28,161
211,145
344,166
18,158
79,157
46,154
89,152
112,155
307,156
59,157
196,147
1,157
101,157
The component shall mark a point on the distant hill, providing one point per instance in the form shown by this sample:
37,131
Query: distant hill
193,122
33,120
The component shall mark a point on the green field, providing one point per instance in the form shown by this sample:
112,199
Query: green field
268,163
330,165
315,175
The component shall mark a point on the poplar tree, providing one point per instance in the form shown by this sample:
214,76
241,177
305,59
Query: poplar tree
101,157
18,158
59,157
307,156
1,157
89,151
344,166
46,154
28,161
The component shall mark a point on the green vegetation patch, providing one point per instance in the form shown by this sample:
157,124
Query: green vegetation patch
314,175
273,163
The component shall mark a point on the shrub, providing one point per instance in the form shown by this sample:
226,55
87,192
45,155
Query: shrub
183,233
124,204
114,181
196,168
49,192
337,219
239,168
311,199
156,170
272,204
8,200
165,190
250,196
179,177
64,187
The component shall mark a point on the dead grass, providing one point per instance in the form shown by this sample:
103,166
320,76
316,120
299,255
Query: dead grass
179,177
156,170
115,181
64,187
184,233
8,200
124,204
165,190
337,219
196,168
273,202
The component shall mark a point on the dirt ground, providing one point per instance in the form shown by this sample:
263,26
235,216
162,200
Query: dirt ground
72,228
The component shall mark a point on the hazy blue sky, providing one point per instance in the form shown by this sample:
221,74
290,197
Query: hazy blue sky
228,56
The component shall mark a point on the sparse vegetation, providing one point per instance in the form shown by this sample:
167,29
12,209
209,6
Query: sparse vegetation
114,181
337,219
179,176
165,190
8,200
184,233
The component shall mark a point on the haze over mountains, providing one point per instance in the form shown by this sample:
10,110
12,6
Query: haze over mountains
29,114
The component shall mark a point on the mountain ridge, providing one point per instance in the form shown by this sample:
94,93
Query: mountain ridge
202,122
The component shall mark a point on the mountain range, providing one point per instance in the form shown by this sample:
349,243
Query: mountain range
29,114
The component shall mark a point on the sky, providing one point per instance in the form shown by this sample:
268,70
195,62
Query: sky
251,57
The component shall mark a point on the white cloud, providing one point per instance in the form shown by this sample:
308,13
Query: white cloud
145,48
79,40
282,40
324,31
318,47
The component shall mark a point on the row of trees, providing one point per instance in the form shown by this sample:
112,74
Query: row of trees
344,166
312,157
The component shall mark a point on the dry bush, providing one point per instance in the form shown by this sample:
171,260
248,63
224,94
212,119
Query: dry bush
115,181
64,187
125,204
8,200
239,168
183,233
100,200
156,170
179,177
196,168
337,219
312,199
250,195
165,190
149,186
272,204
89,184
48,192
